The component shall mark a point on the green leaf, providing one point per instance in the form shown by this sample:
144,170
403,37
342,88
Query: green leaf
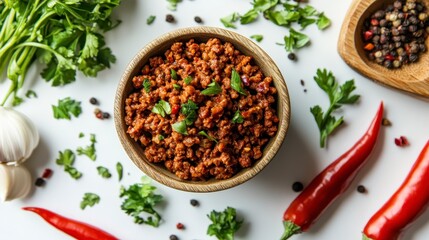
180,127
66,158
173,4
249,17
89,150
189,109
73,172
257,37
203,133
213,89
237,118
89,200
119,170
66,107
295,40
139,199
162,108
187,80
323,22
31,94
160,137
173,74
176,86
224,224
146,85
236,83
90,48
103,172
229,20
150,19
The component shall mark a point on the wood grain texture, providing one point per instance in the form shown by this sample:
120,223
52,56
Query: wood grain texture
412,78
158,47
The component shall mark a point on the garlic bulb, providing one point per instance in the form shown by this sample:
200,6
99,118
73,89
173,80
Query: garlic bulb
18,136
15,182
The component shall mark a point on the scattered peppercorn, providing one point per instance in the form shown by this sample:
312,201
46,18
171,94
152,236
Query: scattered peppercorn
297,186
39,182
93,101
291,56
361,189
99,115
194,202
47,173
386,122
169,18
302,82
198,19
180,226
396,35
106,115
401,141
173,237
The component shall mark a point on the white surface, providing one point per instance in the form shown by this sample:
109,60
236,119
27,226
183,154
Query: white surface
260,201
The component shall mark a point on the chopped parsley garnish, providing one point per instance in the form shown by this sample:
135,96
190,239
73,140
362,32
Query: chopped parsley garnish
236,83
224,224
89,150
89,199
173,74
237,118
172,4
119,170
229,20
338,96
203,133
150,19
295,40
162,108
180,127
66,107
176,86
67,159
189,109
146,85
212,89
103,172
81,135
31,94
140,198
257,37
187,80
160,137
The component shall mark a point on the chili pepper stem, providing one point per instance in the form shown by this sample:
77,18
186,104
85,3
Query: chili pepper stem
290,230
364,237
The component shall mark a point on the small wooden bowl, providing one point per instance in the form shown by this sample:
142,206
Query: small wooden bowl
412,78
157,48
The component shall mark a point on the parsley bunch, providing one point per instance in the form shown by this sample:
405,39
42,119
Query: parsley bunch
224,224
65,35
338,96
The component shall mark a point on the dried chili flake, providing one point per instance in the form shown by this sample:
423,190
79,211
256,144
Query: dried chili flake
401,141
47,173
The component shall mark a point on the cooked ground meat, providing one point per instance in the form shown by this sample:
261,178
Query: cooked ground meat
201,135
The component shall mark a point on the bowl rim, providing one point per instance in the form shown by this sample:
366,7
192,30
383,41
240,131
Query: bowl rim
165,177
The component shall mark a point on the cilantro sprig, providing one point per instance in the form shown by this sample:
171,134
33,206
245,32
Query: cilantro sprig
224,224
90,150
66,107
162,108
140,198
338,95
89,200
103,172
66,159
66,36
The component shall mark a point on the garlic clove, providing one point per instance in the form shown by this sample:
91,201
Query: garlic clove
15,182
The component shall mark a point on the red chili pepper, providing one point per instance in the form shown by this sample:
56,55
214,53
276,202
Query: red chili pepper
405,205
175,109
330,183
76,229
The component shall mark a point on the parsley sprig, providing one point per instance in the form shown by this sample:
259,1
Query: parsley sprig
224,224
66,159
66,107
338,95
90,150
89,200
141,198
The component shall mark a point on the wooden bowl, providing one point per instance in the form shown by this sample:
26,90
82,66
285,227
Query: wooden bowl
412,78
157,48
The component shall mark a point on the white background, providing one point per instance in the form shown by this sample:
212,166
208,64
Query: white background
260,201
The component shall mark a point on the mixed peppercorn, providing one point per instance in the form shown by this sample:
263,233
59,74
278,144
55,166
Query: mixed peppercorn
396,35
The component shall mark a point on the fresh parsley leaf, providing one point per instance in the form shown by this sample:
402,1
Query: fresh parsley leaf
224,224
67,159
67,107
146,85
257,37
338,96
295,40
119,170
103,172
31,94
150,19
140,198
162,108
160,137
172,4
203,133
89,200
173,74
73,172
249,17
212,89
229,20
89,150
176,86
237,118
81,135
187,80
236,83
322,21
180,127
189,109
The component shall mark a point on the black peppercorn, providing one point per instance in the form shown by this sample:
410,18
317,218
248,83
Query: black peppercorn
93,101
169,18
397,4
39,182
194,202
173,237
412,28
198,19
422,47
361,189
297,186
413,57
388,64
106,115
291,56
